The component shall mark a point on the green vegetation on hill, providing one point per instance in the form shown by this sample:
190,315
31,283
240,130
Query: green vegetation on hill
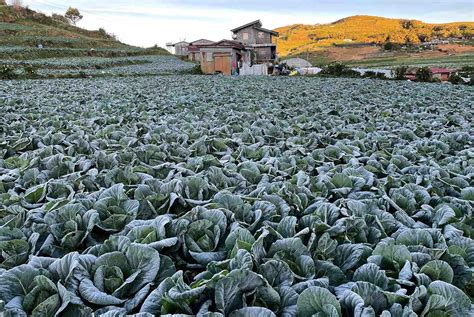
25,29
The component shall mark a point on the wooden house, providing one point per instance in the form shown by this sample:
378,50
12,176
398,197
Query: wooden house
257,39
222,57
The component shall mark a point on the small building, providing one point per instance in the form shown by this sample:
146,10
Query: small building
442,74
258,39
223,57
194,49
180,48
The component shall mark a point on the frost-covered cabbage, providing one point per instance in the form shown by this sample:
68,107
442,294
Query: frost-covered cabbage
214,196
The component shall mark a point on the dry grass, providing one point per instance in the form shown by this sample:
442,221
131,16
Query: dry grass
297,39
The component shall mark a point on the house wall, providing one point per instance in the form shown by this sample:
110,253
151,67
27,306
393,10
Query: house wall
263,37
209,56
441,76
194,56
257,39
264,53
181,49
251,36
255,36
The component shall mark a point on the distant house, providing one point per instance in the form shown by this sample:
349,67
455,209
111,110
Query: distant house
257,39
442,74
222,57
180,48
194,49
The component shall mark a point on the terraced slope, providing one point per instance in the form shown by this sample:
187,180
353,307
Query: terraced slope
21,30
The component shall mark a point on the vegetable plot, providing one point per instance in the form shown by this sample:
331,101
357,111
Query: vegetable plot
117,66
215,196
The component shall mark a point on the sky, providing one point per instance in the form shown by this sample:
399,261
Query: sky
149,22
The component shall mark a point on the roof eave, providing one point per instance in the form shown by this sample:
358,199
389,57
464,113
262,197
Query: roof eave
268,31
246,25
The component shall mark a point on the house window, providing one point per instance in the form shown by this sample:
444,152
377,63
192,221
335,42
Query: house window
245,36
261,35
209,57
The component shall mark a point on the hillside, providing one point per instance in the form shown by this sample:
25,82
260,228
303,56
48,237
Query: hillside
24,29
298,39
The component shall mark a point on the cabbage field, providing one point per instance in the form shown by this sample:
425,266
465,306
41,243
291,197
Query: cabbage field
216,196
104,66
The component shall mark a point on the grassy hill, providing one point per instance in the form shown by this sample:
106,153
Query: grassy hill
25,29
355,31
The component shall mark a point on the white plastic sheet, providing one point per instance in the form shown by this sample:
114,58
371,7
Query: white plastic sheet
255,70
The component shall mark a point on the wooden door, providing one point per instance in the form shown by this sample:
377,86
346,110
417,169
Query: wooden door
223,63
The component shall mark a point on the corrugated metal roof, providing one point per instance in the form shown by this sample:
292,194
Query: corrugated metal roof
182,42
438,70
202,42
257,22
226,43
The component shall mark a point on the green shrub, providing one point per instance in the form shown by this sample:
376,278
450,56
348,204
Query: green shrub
374,75
59,18
7,72
424,74
400,72
29,70
390,46
339,70
370,74
455,79
196,70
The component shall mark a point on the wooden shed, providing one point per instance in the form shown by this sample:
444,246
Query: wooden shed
223,57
